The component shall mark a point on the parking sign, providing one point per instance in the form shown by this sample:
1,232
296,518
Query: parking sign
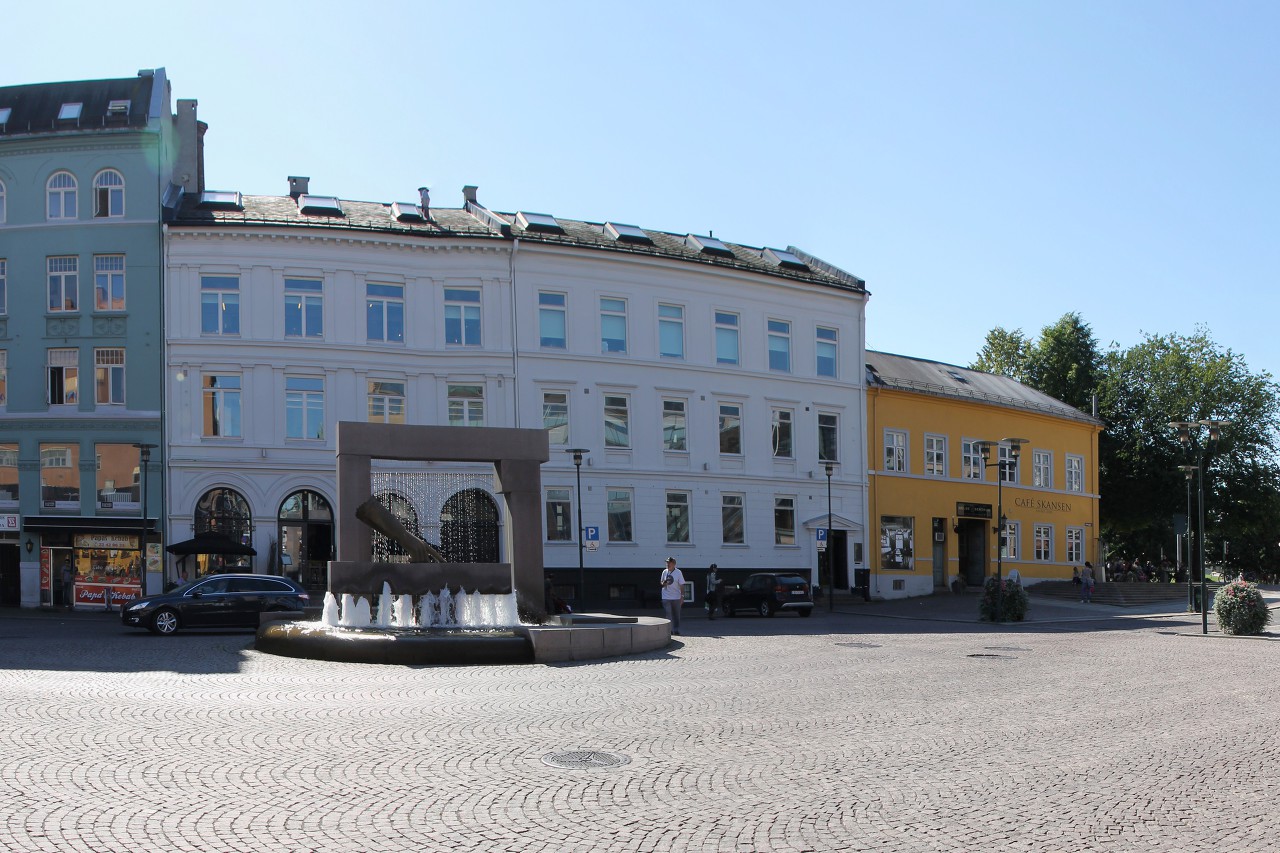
591,536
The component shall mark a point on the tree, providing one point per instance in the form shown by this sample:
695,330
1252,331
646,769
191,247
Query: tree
1004,352
1065,363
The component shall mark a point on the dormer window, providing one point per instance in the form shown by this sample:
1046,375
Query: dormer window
539,222
707,245
221,200
407,211
319,205
118,108
626,233
785,259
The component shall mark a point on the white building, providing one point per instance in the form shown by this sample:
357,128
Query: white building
706,381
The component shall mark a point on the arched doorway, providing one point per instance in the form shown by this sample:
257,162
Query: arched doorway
305,524
469,528
387,550
224,511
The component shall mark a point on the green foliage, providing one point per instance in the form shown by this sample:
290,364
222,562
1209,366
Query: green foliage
1065,363
1005,353
1240,608
1013,601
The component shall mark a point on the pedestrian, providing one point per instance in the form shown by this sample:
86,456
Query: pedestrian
1086,583
672,593
68,584
713,590
1075,575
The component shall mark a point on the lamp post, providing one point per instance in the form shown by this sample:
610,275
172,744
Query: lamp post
144,453
578,453
1015,450
1184,429
1189,471
831,568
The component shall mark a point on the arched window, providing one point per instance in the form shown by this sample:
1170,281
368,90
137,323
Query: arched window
384,549
2,204
305,525
60,192
469,527
108,194
224,511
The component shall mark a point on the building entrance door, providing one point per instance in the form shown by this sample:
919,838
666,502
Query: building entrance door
10,576
972,541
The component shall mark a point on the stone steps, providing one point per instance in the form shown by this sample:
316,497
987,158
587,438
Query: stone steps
1120,593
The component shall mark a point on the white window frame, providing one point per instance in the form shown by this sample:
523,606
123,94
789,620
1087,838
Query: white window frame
1013,530
784,536
65,271
62,186
675,425
216,290
385,405
973,466
1075,545
301,295
617,410
829,430
1007,468
4,378
553,307
4,286
896,457
108,376
783,420
779,332
3,206
217,400
826,338
620,499
612,307
108,194
935,455
465,404
109,279
726,329
733,505
387,298
1043,538
670,326
729,415
66,361
1042,469
555,416
557,505
302,396
1075,473
463,308
679,505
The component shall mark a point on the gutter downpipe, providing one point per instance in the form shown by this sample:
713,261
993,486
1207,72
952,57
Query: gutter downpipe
515,335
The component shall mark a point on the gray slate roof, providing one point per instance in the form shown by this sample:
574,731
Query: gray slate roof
35,107
948,380
478,222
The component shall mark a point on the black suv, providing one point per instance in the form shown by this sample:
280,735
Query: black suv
217,601
767,593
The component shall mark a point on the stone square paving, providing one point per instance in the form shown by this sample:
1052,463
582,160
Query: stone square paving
905,726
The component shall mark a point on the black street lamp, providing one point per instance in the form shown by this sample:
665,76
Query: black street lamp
831,567
578,453
1184,428
1014,446
1189,471
144,452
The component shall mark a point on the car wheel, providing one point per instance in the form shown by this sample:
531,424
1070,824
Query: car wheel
766,608
165,621
727,609
806,611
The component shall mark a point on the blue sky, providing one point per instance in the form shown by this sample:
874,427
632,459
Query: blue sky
978,163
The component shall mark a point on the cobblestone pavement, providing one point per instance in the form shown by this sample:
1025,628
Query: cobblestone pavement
903,727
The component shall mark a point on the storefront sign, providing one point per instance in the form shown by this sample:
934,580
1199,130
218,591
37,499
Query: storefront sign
10,522
968,510
96,594
1042,505
106,540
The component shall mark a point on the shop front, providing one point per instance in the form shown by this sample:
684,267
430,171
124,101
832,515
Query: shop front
107,570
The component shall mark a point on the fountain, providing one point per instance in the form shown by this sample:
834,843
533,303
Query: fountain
430,610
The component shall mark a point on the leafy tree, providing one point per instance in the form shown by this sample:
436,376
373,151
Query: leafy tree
1065,363
1004,352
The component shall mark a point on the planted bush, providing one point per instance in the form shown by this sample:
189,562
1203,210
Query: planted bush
1240,608
1013,601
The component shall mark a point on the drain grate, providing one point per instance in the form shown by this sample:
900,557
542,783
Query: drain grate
585,759
859,645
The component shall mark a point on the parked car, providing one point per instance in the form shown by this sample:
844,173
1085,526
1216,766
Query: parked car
767,593
217,601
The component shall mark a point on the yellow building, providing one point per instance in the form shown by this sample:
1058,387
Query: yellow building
933,496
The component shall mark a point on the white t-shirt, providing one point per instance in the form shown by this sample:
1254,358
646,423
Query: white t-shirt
673,591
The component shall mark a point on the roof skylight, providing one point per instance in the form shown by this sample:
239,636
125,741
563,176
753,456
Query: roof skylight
118,107
70,112
707,245
221,198
5,112
783,258
406,211
319,205
627,233
538,222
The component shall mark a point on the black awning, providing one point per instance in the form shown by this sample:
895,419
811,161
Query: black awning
96,523
211,542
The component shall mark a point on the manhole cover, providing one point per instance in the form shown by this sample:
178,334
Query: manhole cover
980,655
859,645
585,759
1006,649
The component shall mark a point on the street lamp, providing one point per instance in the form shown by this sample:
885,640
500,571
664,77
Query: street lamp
578,453
1189,471
1184,428
1014,446
831,569
144,451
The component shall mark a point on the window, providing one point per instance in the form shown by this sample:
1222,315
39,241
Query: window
674,425
108,376
219,305
1008,465
466,405
4,377
613,325
4,286
60,476
726,338
935,455
462,317
897,542
384,313
221,405
828,437
1043,542
64,284
303,308
304,407
784,521
555,416
617,420
559,515
1075,545
108,194
826,352
551,320
3,195
671,331
677,517
895,450
1009,547
971,456
782,444
60,194
108,282
386,401
1042,469
9,491
117,485
1075,473
780,346
64,377
732,527
730,428
619,507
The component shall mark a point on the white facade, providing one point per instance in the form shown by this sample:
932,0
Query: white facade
669,304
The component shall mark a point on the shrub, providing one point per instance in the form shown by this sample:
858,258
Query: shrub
1240,608
1013,601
